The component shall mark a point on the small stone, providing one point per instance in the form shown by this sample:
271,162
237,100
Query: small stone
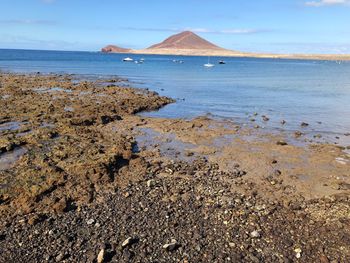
304,124
265,118
347,134
173,245
298,252
255,234
282,143
129,241
101,256
298,134
90,221
60,257
283,122
231,244
151,183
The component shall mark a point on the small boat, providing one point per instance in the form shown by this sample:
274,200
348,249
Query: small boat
128,59
222,62
178,61
208,65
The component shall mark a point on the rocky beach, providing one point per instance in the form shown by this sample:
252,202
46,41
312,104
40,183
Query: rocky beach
84,177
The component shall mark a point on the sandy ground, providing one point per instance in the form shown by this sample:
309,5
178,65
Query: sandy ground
84,178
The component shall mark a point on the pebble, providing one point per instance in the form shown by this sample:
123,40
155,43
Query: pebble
255,234
60,257
101,256
265,118
282,143
90,221
298,134
173,245
304,124
151,183
298,252
129,241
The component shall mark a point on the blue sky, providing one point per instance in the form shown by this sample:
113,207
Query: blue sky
280,26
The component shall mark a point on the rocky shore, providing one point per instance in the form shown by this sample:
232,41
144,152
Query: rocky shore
84,178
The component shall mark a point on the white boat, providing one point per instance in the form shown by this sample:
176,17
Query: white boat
128,59
208,65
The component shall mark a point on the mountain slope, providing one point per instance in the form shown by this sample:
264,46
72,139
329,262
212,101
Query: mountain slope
185,40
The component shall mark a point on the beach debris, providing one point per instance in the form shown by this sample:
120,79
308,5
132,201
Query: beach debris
283,122
304,124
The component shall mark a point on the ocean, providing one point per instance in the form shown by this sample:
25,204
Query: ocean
312,91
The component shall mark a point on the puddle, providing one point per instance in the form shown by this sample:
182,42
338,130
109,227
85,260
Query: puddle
167,143
9,159
55,89
47,125
68,109
11,126
85,93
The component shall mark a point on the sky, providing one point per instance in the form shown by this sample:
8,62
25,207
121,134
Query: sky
277,26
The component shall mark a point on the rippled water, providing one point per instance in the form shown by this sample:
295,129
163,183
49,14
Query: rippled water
317,92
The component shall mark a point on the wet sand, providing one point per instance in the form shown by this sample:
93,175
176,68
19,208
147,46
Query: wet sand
85,178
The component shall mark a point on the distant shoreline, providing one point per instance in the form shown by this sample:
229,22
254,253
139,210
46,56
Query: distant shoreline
229,53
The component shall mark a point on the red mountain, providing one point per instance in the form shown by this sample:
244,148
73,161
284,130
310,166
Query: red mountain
185,40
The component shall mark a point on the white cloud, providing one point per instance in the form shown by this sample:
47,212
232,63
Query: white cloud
319,3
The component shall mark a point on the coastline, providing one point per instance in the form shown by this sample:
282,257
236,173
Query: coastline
81,164
231,53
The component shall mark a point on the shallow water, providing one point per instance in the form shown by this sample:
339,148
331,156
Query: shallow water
10,126
9,159
167,144
316,92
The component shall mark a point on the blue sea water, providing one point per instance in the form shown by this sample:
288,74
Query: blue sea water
312,91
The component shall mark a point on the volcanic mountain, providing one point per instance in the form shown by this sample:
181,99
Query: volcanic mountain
115,49
185,40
